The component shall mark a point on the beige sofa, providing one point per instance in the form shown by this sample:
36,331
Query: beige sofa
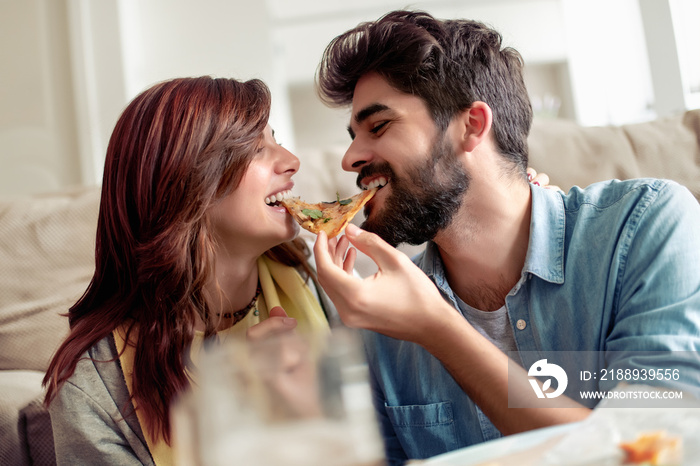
573,155
46,260
46,249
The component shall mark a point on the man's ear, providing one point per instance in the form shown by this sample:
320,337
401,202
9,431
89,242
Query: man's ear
475,124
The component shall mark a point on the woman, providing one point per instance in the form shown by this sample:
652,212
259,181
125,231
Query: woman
189,244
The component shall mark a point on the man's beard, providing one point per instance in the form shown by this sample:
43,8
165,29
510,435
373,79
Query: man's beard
424,201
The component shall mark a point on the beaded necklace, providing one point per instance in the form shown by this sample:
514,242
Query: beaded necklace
237,316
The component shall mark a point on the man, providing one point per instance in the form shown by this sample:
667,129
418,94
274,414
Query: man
440,118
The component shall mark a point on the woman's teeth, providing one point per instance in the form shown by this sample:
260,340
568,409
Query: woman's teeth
278,197
377,183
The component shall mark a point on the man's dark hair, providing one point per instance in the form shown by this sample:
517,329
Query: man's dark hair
449,64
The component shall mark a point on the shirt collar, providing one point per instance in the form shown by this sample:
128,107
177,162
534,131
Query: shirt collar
545,252
431,264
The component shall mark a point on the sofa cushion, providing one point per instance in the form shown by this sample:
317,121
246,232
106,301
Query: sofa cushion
35,424
47,256
573,155
19,389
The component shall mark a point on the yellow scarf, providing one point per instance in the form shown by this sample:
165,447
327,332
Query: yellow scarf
281,286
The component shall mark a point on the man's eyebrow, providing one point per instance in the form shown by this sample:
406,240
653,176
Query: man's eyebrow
365,113
368,111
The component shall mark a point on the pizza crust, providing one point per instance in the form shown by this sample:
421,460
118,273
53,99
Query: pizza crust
331,217
654,448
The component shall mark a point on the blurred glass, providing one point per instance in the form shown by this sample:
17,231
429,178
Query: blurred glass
288,401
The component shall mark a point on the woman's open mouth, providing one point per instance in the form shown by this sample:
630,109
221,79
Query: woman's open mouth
275,199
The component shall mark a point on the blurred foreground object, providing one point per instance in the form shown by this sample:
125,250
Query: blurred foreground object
288,402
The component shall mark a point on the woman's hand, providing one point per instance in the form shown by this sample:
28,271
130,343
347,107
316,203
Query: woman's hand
277,324
540,179
283,363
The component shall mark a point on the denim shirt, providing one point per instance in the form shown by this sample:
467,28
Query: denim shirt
613,269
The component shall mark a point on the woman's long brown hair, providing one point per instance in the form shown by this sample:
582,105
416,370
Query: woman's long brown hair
177,149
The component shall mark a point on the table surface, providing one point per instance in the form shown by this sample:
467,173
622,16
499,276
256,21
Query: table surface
532,441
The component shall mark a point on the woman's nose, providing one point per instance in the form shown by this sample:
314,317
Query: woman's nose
289,162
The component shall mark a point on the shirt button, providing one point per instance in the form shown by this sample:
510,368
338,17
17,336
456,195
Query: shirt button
521,324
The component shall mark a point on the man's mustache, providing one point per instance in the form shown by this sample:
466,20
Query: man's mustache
381,169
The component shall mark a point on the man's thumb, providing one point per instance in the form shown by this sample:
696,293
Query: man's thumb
373,246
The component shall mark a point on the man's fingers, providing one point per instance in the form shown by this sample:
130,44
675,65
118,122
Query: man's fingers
377,249
321,254
325,264
341,249
349,263
335,278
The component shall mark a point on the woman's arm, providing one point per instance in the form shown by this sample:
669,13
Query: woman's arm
92,417
85,433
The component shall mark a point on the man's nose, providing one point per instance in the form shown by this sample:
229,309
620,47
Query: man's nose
356,157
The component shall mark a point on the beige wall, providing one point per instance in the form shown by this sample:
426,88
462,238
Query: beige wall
38,134
70,66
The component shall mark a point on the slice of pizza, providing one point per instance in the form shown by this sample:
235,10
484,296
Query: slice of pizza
331,217
654,448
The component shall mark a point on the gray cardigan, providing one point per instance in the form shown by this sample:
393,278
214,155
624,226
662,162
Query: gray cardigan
93,420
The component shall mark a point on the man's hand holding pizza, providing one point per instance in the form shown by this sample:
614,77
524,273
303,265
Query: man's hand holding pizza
399,300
